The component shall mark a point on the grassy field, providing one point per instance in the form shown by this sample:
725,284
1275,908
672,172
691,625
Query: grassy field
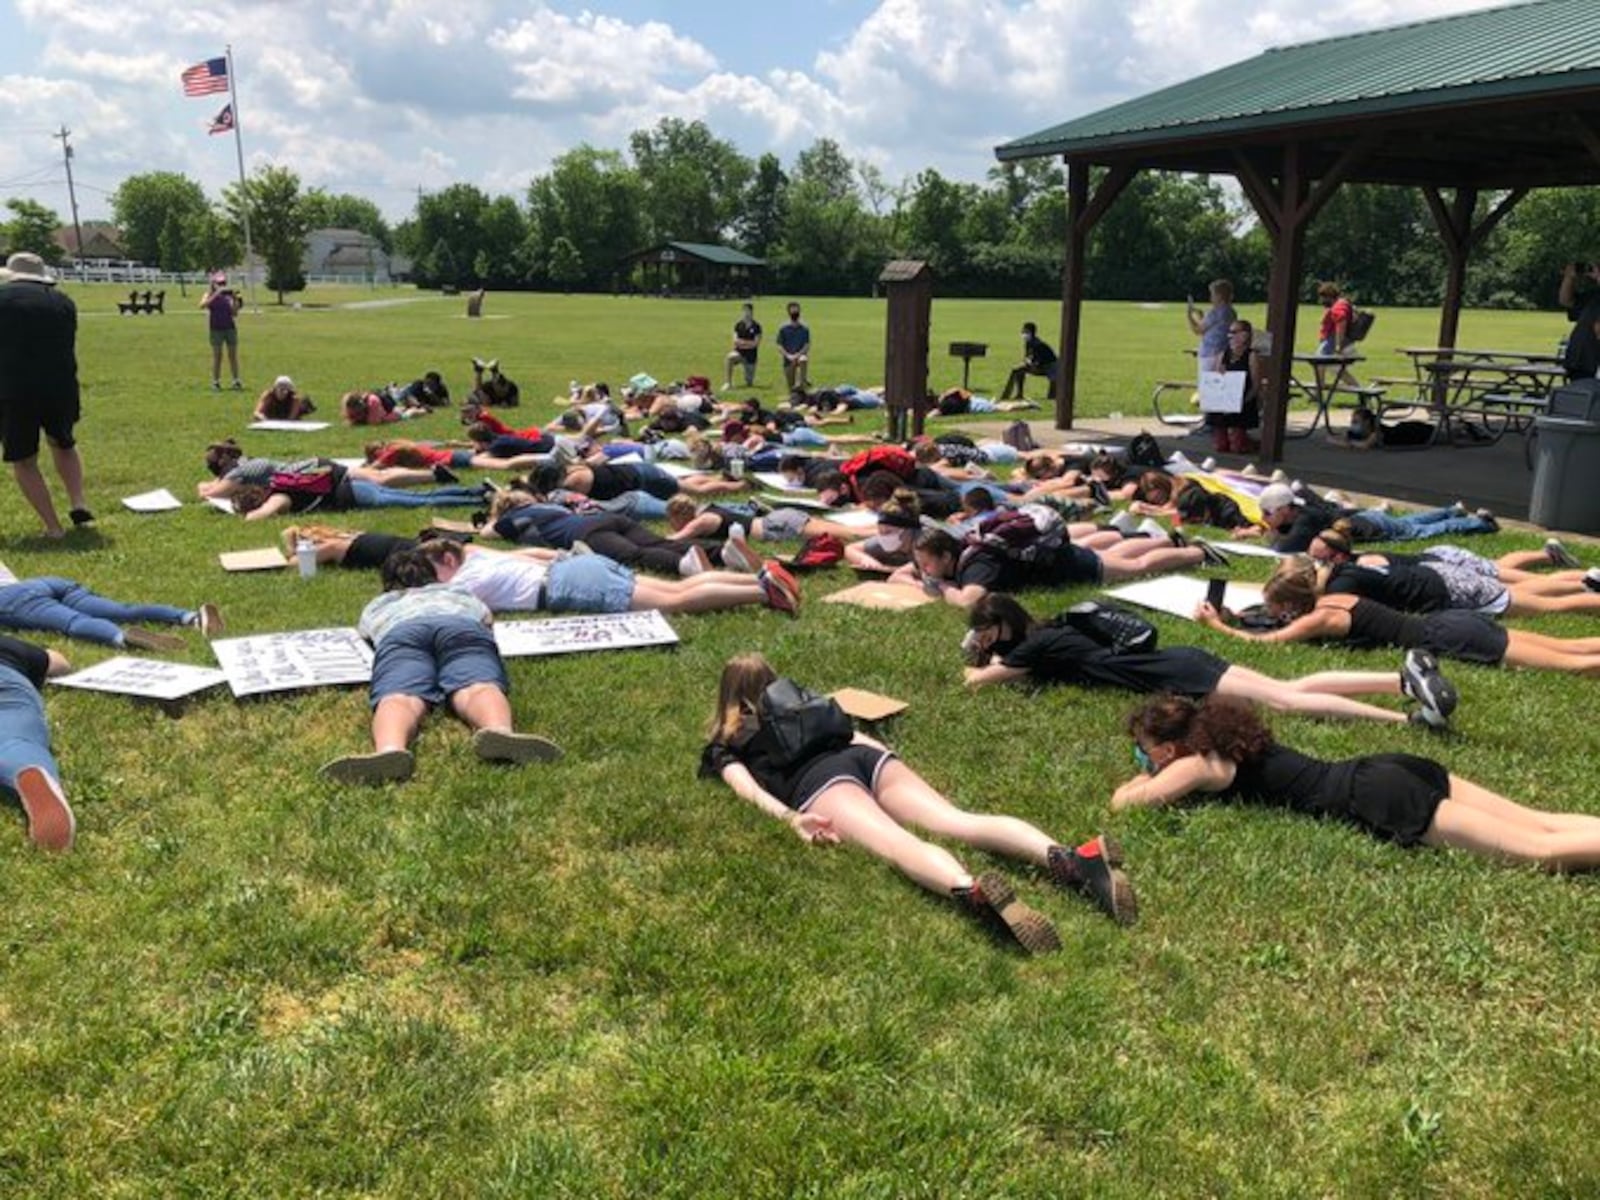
604,978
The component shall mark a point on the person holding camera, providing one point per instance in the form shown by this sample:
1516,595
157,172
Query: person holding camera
1582,355
222,305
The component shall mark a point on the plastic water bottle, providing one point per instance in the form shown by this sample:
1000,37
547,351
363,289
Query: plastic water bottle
573,389
305,553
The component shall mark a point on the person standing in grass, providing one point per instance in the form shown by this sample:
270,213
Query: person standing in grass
840,786
1221,747
27,767
432,644
222,304
746,347
794,343
39,387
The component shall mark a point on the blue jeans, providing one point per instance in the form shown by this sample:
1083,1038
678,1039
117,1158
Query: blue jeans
1435,522
804,435
374,495
24,736
659,483
61,606
641,506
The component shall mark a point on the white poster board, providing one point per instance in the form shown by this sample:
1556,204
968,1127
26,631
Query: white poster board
1180,595
221,505
290,426
301,658
854,518
1247,549
159,500
776,481
144,677
569,635
1222,391
679,470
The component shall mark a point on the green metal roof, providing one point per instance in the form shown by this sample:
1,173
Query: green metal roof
723,256
1518,51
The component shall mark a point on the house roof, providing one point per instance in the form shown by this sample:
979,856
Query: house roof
722,256
1503,65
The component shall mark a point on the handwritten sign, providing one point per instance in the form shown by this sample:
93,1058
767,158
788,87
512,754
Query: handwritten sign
143,677
1222,391
159,500
569,635
301,658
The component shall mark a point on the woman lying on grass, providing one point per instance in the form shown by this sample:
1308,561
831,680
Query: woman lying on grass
1221,747
1008,645
1292,595
330,487
839,786
54,605
1444,577
27,767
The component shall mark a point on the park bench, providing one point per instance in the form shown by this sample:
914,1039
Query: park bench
143,302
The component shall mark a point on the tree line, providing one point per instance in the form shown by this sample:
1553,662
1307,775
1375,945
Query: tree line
826,224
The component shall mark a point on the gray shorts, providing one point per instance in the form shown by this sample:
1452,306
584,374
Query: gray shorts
783,524
224,337
1471,589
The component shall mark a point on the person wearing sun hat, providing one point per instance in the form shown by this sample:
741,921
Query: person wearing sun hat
39,386
222,305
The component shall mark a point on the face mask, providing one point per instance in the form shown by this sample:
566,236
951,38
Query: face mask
973,652
1143,760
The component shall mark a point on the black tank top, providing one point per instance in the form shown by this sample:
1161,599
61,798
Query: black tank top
1399,585
1374,625
1285,778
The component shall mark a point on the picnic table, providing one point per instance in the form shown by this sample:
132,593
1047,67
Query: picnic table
1503,389
1329,377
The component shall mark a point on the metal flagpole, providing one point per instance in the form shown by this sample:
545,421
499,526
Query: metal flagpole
244,194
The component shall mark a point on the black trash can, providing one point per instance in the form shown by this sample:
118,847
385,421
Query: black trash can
1566,467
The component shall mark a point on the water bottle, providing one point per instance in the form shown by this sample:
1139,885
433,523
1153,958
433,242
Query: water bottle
305,553
573,389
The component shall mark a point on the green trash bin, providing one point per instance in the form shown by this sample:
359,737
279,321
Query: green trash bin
1566,475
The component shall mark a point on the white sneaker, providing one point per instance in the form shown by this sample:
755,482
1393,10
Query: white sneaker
694,562
1153,528
1209,464
1556,551
1123,523
736,553
1279,476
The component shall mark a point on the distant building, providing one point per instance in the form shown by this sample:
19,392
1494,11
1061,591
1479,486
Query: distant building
101,240
348,254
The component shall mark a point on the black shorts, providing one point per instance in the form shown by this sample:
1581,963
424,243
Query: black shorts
21,423
1077,564
369,551
854,764
1464,636
1395,796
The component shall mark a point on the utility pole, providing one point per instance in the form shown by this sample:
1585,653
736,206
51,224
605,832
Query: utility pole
72,195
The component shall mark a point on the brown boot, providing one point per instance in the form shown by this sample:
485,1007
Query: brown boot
1240,442
1219,439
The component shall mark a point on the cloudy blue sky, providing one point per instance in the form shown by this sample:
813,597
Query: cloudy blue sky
380,97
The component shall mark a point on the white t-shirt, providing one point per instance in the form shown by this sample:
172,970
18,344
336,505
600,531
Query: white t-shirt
502,582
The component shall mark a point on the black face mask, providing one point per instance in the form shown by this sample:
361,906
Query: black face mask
1000,647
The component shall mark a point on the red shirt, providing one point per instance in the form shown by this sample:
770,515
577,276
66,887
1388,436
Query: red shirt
1336,314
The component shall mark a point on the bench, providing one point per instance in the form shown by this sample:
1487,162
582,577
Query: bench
1185,420
142,302
1497,414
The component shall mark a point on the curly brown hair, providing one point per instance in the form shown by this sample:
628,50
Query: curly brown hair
1221,725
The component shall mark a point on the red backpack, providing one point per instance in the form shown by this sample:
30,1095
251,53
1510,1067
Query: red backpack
880,458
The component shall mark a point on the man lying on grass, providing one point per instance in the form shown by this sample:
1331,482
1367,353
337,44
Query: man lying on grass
432,643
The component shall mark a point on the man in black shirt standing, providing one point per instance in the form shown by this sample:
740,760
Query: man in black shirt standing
39,386
746,343
1037,359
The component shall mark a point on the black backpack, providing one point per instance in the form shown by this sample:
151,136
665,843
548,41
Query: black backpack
798,724
1360,324
1113,627
1145,451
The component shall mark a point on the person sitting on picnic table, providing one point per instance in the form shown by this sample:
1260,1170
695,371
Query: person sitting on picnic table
432,643
1037,359
51,604
27,767
226,461
282,402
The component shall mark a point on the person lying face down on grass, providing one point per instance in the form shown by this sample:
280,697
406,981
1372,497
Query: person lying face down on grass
380,407
1293,596
1193,503
442,458
1445,577
535,580
330,487
1005,644
432,645
27,767
738,522
962,573
844,787
51,604
231,470
1220,746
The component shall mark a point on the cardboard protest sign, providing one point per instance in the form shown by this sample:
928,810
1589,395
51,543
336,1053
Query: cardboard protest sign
146,678
1180,595
895,597
570,635
268,558
301,658
868,706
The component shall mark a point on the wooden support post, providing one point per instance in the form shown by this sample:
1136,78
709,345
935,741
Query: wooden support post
1072,292
1288,260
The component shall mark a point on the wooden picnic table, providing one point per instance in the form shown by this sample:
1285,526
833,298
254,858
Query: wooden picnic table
1503,389
1321,387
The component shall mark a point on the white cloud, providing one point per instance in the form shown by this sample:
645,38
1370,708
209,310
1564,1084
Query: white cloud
380,96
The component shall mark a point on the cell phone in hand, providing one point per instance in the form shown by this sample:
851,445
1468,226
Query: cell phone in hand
1216,592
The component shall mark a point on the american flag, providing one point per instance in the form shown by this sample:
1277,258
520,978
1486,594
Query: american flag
207,78
223,121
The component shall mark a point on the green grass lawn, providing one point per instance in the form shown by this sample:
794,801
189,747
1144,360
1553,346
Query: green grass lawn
603,978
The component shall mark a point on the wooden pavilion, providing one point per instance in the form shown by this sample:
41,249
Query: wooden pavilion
697,269
1475,110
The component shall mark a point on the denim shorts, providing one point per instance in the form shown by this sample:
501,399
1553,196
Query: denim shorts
461,458
781,524
435,657
588,583
661,484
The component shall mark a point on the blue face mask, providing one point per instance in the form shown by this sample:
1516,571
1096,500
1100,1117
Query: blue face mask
1143,760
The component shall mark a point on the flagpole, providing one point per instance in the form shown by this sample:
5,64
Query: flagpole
244,193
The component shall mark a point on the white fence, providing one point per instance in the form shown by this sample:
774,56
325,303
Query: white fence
137,273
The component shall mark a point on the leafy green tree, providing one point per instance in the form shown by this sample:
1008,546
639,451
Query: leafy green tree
504,232
693,181
455,217
143,203
761,219
830,242
566,265
174,245
32,228
1373,240
277,225
594,200
213,239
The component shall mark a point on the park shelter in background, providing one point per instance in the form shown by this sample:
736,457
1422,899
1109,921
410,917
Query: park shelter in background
694,269
350,256
1485,105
